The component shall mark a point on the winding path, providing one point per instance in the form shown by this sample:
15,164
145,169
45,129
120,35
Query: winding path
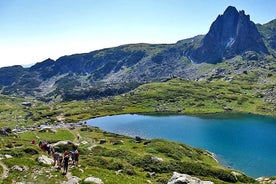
5,173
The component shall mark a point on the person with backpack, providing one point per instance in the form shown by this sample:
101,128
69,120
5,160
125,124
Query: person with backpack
76,154
66,162
72,155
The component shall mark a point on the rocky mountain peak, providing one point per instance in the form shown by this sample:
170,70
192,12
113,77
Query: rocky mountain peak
232,33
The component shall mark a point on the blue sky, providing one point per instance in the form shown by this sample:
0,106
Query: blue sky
34,30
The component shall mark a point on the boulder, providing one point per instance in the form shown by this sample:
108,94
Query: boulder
73,180
3,132
119,171
93,180
138,139
45,160
63,143
156,159
84,142
102,141
178,178
7,129
7,156
151,174
18,168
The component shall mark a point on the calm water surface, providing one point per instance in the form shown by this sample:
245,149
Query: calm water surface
242,141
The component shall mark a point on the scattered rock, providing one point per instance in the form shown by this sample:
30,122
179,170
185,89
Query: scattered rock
119,142
138,139
151,175
73,180
91,147
27,104
31,151
84,142
156,159
7,129
227,108
178,178
45,160
102,141
93,180
119,171
147,142
18,168
47,129
7,156
3,132
266,180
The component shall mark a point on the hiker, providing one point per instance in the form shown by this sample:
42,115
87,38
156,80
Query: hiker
43,145
57,158
60,159
72,155
66,162
48,149
76,153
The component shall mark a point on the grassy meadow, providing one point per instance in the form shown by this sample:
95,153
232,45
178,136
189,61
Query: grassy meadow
122,159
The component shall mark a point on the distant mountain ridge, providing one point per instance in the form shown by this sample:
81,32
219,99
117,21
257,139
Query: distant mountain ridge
232,38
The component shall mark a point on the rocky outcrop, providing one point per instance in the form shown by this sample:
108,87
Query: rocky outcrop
178,178
230,34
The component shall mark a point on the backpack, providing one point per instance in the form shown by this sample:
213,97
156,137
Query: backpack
77,153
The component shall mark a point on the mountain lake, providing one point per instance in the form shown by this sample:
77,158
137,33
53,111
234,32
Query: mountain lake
245,142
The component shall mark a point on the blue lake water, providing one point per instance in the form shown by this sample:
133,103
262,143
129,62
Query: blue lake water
241,141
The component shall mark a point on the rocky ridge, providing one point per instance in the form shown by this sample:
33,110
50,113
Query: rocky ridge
233,40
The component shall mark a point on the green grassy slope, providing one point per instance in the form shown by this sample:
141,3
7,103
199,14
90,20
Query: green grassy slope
241,94
133,159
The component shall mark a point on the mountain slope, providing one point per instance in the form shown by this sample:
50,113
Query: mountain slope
268,31
232,46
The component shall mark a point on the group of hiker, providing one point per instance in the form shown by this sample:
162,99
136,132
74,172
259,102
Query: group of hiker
61,160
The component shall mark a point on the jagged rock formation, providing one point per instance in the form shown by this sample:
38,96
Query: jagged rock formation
230,34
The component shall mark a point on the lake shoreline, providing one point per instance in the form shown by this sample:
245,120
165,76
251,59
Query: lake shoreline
236,125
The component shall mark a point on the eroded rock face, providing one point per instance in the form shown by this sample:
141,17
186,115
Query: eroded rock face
178,178
230,34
